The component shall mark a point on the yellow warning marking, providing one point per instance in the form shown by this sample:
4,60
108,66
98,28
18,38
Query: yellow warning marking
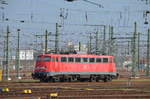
88,89
27,91
1,74
5,90
53,94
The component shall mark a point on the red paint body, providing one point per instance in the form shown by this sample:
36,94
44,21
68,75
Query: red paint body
58,66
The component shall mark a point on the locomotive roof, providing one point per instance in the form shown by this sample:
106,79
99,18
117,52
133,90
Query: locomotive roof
76,55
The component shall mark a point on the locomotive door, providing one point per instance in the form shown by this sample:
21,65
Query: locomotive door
56,65
53,64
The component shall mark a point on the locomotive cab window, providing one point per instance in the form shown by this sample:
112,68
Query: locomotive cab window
78,59
63,59
70,59
105,60
85,59
53,59
91,60
39,58
98,60
56,59
47,58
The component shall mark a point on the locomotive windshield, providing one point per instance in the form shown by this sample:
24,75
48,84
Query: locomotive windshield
105,60
46,58
39,58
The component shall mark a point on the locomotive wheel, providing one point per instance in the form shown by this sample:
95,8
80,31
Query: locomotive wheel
107,78
56,79
62,80
43,80
110,78
92,79
73,79
69,79
50,79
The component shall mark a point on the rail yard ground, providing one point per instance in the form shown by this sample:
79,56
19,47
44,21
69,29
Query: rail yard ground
122,88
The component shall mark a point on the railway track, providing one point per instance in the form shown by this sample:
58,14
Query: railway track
120,89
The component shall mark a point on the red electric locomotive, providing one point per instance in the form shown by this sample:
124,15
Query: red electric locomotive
74,67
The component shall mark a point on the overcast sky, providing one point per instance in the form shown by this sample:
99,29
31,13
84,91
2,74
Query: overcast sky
39,15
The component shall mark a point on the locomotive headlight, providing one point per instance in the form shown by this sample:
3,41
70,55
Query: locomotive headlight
41,67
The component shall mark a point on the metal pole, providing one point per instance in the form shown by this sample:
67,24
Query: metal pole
109,48
128,47
109,32
104,36
3,17
36,45
112,32
46,41
7,54
138,51
56,39
104,42
4,58
96,46
134,51
111,40
90,44
148,54
79,46
18,53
